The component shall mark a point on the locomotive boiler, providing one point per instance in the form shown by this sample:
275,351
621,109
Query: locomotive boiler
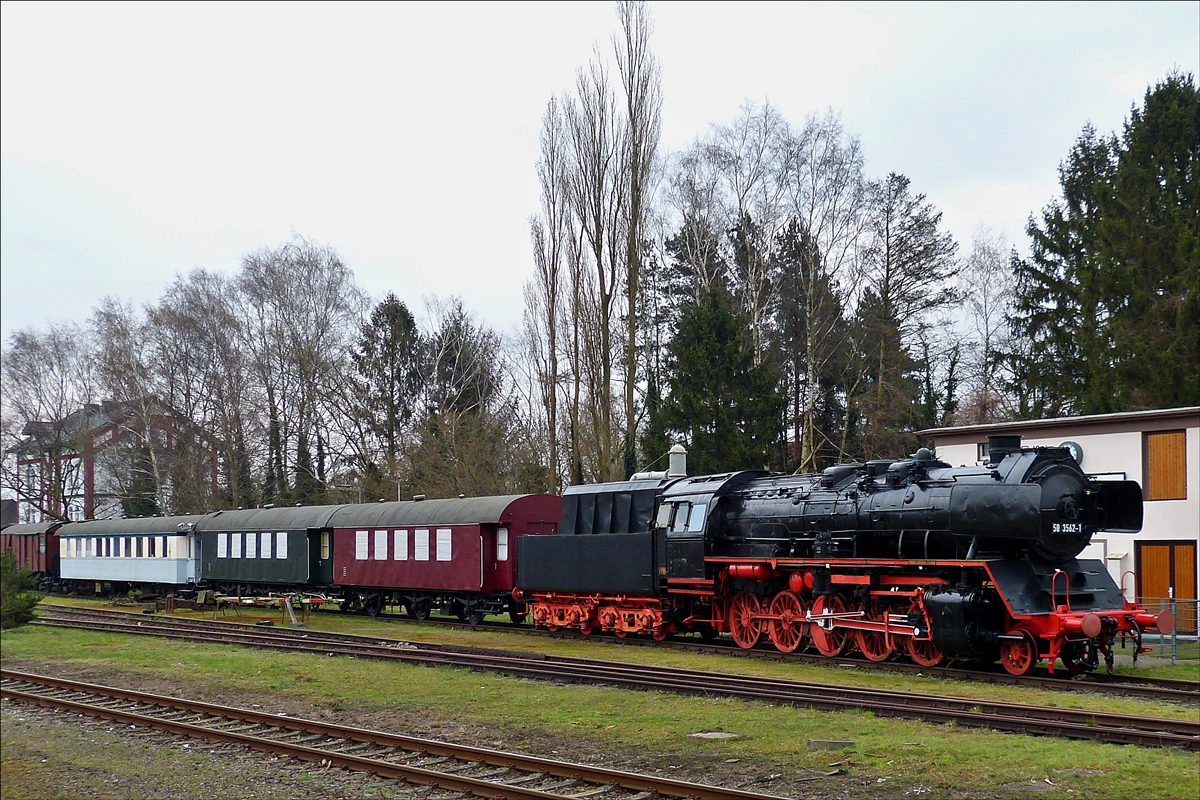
908,556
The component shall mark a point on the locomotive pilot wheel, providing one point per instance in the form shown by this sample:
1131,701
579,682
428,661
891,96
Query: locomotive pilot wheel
788,625
829,642
743,623
1019,658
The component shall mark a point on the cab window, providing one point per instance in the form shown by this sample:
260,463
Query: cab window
680,523
696,521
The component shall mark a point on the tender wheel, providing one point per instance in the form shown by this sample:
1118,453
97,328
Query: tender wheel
516,612
874,645
745,629
1019,658
829,643
662,632
588,626
787,632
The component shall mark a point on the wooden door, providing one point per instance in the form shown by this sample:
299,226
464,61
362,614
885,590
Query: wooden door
1166,571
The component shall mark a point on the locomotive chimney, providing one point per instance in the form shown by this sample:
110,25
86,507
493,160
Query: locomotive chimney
677,465
1000,446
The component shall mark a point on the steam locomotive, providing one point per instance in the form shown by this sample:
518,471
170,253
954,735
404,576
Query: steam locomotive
892,556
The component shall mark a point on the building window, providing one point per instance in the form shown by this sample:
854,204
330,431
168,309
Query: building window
981,452
1166,465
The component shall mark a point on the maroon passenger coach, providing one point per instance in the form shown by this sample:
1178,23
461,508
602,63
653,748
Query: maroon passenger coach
457,555
34,546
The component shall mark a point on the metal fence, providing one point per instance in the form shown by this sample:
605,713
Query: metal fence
1182,644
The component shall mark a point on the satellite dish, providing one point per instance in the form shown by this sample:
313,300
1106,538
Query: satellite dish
1075,450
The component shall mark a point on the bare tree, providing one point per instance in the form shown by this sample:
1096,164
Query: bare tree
550,233
642,82
48,377
597,194
987,283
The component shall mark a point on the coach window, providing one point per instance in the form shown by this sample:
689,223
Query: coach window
502,544
400,545
264,548
381,538
1166,465
251,545
235,545
443,544
421,544
222,545
141,546
281,544
360,545
325,546
107,547
151,551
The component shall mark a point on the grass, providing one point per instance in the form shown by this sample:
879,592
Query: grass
893,756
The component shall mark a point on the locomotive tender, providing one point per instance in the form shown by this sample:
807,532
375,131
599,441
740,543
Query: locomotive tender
908,555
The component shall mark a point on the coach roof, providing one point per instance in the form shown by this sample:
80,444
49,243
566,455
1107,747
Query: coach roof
454,511
288,518
30,528
138,526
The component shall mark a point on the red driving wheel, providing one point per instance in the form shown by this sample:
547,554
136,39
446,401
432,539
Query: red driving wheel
743,625
831,642
874,644
788,630
922,651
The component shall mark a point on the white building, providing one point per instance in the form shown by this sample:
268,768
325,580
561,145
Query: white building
1158,449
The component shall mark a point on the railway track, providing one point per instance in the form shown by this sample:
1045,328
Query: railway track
1011,717
1159,689
1156,689
458,768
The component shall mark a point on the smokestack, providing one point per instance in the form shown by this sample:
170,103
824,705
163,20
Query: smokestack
1000,446
677,467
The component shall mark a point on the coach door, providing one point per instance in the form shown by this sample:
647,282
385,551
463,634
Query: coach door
1166,571
320,557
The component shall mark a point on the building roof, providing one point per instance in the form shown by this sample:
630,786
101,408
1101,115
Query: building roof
1156,419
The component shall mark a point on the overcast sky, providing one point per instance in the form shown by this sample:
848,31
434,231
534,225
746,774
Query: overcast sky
140,141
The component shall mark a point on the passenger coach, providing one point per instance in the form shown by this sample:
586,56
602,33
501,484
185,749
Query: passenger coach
35,548
261,550
157,553
457,555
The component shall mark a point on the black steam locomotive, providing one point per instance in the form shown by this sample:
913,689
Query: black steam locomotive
907,555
